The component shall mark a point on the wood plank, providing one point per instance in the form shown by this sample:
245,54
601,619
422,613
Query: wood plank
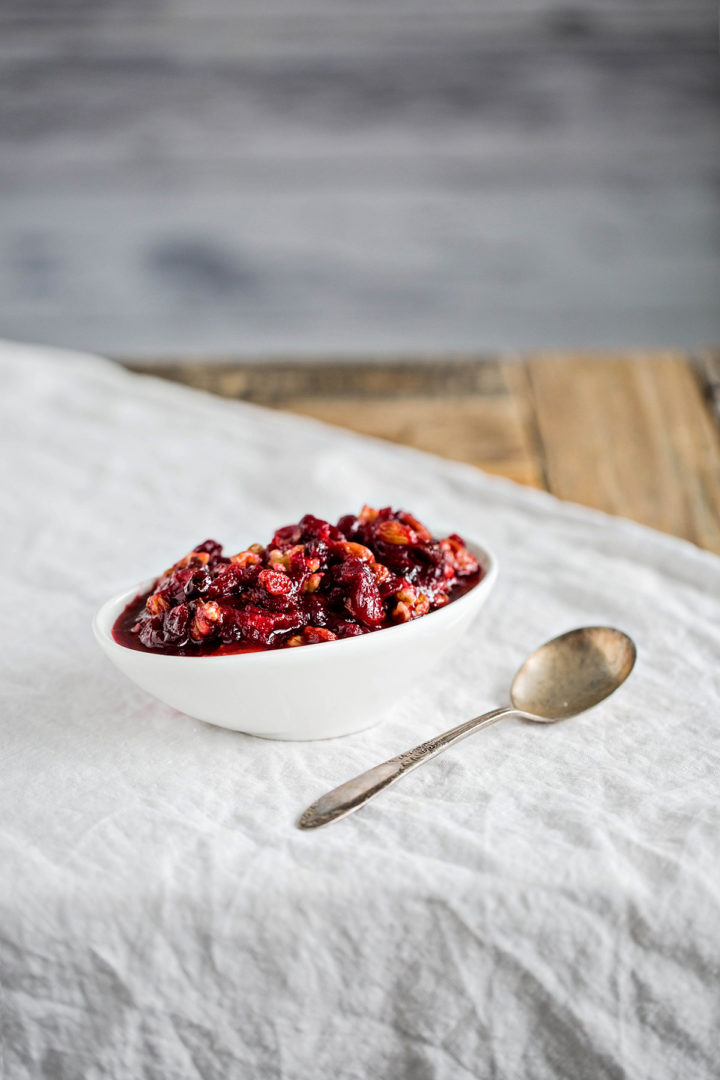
631,438
482,431
707,363
275,382
460,408
631,434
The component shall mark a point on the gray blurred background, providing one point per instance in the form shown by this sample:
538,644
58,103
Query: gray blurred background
329,176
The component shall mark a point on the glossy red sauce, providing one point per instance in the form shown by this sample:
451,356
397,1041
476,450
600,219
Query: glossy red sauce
313,582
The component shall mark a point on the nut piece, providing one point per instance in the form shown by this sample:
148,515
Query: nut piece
312,583
459,559
411,604
193,558
358,551
402,612
381,572
207,613
157,604
312,635
423,533
246,558
394,532
367,515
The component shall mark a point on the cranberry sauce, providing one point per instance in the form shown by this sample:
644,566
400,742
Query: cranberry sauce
313,582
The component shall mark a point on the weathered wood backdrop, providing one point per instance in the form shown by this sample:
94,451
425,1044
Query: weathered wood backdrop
316,175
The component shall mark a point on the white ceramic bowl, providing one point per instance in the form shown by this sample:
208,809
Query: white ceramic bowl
313,692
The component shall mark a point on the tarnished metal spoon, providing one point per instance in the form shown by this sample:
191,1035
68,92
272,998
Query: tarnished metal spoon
564,677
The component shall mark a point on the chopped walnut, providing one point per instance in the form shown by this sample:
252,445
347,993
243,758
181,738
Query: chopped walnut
207,613
367,515
157,604
394,532
312,584
358,551
246,558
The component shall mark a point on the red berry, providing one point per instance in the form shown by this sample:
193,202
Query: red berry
275,582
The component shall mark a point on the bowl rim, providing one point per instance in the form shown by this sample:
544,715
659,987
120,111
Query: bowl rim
105,616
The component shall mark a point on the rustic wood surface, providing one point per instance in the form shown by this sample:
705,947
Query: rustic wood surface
632,434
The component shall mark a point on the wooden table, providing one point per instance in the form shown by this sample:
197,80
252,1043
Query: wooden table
636,434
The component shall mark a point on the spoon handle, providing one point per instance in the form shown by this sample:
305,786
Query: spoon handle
354,793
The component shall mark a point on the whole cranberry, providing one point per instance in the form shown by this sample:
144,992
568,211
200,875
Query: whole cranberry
262,627
348,570
314,528
227,583
230,630
390,585
177,625
315,608
201,582
349,526
265,601
213,549
318,549
151,632
430,552
344,628
396,556
364,601
286,537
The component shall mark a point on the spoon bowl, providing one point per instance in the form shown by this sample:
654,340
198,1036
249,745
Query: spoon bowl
573,672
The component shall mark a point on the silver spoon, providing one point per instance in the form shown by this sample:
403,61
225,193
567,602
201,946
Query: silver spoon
564,677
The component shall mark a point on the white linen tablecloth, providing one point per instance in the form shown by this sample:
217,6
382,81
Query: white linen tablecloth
535,903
